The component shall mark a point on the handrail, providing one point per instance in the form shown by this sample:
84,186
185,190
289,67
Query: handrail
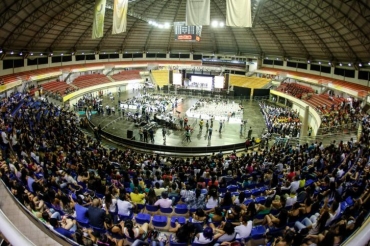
11,232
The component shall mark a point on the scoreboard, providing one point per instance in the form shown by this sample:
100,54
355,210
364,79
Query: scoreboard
187,33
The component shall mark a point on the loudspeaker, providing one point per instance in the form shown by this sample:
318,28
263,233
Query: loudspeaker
130,134
227,78
183,76
170,76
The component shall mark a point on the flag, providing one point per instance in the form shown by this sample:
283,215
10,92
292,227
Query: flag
238,13
119,16
99,14
198,12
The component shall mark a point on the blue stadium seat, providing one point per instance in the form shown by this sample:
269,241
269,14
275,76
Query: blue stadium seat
180,219
181,209
159,220
142,218
258,232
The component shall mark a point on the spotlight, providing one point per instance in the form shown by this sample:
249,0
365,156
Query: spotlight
12,53
267,58
222,24
51,54
214,23
320,63
360,65
104,53
62,54
1,51
166,25
83,53
21,54
340,64
41,54
277,58
150,22
31,54
308,61
349,64
329,63
161,26
368,64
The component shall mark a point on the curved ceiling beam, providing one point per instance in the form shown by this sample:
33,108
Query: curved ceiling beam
123,44
306,10
345,20
30,19
83,36
269,15
272,36
255,40
9,12
71,25
228,28
54,21
152,28
174,19
105,37
307,28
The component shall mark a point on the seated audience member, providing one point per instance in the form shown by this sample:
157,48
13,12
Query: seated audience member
95,214
244,228
124,207
55,224
136,197
135,231
164,202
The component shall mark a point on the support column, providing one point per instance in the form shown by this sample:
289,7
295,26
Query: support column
304,127
191,57
144,55
73,58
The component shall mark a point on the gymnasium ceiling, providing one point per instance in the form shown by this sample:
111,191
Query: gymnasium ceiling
310,29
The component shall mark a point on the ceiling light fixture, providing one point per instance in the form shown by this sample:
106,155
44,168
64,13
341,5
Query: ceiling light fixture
214,23
222,24
360,65
12,53
340,64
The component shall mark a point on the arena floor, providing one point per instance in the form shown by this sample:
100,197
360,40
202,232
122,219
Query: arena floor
230,133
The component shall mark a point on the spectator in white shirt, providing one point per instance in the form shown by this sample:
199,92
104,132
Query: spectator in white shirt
243,229
293,187
124,206
291,199
164,202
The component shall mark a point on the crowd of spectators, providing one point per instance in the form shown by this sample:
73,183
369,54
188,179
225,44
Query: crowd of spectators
304,195
279,120
295,89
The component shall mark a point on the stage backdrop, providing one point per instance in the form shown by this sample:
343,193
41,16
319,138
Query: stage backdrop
242,91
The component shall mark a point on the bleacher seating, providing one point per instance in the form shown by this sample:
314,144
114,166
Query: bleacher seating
323,103
88,80
295,89
161,77
57,86
339,84
126,75
18,77
250,82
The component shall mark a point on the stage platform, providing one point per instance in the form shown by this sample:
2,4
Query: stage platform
116,127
